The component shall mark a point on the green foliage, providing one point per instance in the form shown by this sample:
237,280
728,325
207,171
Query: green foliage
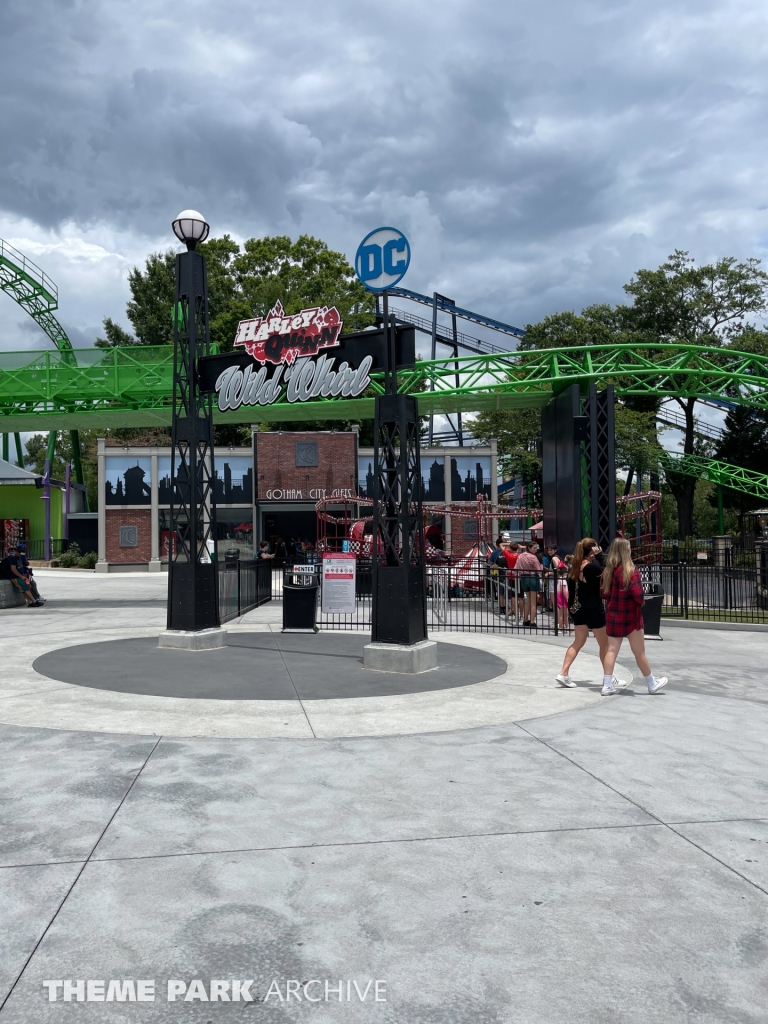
681,303
637,443
705,522
595,325
745,444
115,335
36,448
73,559
243,284
301,274
70,558
152,291
518,432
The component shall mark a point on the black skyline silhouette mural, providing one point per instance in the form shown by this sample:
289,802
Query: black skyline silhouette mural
470,477
127,481
232,484
432,479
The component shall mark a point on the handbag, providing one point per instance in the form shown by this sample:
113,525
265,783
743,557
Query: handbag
576,603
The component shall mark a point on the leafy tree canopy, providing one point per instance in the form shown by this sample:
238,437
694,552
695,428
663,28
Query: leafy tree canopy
244,283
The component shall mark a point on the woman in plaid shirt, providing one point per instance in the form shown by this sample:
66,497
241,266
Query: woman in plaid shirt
624,616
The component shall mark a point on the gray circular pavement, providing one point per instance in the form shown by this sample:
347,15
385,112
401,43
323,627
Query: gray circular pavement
258,666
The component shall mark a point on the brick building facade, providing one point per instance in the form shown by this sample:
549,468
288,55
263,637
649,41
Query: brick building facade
269,492
128,536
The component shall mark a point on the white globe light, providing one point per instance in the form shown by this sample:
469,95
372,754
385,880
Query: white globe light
191,227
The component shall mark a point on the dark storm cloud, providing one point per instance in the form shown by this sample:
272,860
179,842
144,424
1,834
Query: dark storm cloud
537,153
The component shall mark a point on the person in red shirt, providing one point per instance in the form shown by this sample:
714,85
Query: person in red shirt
511,553
624,616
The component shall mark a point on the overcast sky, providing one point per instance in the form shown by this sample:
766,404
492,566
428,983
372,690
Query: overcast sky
536,154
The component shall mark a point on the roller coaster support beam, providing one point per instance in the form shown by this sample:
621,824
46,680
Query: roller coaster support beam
74,438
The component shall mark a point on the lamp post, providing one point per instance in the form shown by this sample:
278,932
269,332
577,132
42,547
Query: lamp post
193,610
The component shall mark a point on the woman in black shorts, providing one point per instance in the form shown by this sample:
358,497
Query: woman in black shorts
585,603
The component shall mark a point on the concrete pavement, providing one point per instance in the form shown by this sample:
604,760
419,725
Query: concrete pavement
605,861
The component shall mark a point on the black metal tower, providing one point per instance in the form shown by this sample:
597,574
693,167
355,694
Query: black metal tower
579,467
399,588
192,593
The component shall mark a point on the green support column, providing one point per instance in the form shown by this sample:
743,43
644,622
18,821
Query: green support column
77,462
720,516
19,452
51,450
5,447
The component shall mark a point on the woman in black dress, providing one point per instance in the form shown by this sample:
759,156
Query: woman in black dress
585,603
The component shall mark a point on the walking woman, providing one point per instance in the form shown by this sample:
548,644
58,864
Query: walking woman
585,603
624,616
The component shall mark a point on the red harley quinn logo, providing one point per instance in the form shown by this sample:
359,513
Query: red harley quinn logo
278,338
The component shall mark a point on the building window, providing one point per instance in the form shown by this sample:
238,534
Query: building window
470,476
432,478
127,481
233,480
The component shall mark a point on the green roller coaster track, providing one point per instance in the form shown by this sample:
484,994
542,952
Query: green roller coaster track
131,386
746,481
38,296
34,291
124,387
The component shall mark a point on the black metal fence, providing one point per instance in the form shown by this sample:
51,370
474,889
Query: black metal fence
713,593
36,548
468,597
472,597
701,551
243,586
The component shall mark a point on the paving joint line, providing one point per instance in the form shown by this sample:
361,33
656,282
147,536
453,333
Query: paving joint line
373,842
645,810
78,876
298,698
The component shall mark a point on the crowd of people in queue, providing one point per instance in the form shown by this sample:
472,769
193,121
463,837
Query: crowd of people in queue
599,595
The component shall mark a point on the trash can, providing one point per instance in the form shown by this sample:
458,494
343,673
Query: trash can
300,587
654,598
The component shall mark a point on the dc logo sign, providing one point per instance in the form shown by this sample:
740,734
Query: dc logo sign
382,259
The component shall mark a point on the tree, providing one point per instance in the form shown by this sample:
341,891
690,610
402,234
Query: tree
637,442
301,274
115,335
36,450
151,302
595,325
518,432
680,303
744,443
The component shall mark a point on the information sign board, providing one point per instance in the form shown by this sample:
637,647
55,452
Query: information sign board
339,583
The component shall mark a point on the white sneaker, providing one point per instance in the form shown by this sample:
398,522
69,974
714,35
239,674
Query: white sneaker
565,680
607,690
657,684
620,683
